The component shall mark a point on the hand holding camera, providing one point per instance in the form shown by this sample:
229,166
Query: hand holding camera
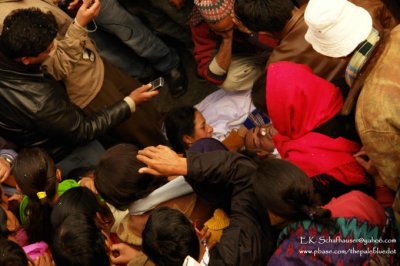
142,94
88,11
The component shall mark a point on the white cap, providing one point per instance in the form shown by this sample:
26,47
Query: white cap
336,27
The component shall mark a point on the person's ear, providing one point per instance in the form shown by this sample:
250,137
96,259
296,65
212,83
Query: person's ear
58,175
188,140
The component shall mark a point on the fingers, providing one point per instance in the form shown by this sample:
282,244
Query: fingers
17,197
234,19
150,171
150,151
44,260
122,253
142,94
360,153
116,259
72,5
117,247
144,88
364,163
88,183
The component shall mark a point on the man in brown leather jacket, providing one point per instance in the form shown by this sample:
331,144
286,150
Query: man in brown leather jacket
35,108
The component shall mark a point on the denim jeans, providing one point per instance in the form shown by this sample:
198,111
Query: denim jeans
164,18
84,156
114,19
120,55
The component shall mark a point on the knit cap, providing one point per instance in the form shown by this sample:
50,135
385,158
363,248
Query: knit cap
213,11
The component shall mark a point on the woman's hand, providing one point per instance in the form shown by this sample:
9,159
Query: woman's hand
122,253
161,161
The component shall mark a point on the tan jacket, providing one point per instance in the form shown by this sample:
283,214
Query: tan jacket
75,61
378,112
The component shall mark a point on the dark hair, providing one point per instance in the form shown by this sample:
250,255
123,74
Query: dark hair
284,189
264,15
3,218
78,200
177,123
259,94
394,7
117,179
34,172
79,172
27,32
169,237
78,241
4,233
11,254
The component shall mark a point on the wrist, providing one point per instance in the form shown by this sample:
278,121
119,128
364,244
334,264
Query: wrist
227,39
130,101
81,26
183,166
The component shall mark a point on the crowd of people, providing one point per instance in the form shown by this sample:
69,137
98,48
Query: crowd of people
92,173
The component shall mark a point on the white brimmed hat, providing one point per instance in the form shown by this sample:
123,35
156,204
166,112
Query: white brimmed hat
336,27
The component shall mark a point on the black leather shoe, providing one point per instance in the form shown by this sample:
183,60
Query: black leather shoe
177,81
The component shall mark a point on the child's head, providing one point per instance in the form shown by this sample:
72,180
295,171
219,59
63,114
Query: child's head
286,192
117,179
169,237
184,126
35,172
78,241
81,200
11,254
28,35
37,177
264,15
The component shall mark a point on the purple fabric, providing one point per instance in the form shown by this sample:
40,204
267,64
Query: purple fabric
207,145
36,249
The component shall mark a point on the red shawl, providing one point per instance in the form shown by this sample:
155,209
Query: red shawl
299,101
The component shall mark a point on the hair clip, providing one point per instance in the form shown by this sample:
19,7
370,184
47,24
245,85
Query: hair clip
41,195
